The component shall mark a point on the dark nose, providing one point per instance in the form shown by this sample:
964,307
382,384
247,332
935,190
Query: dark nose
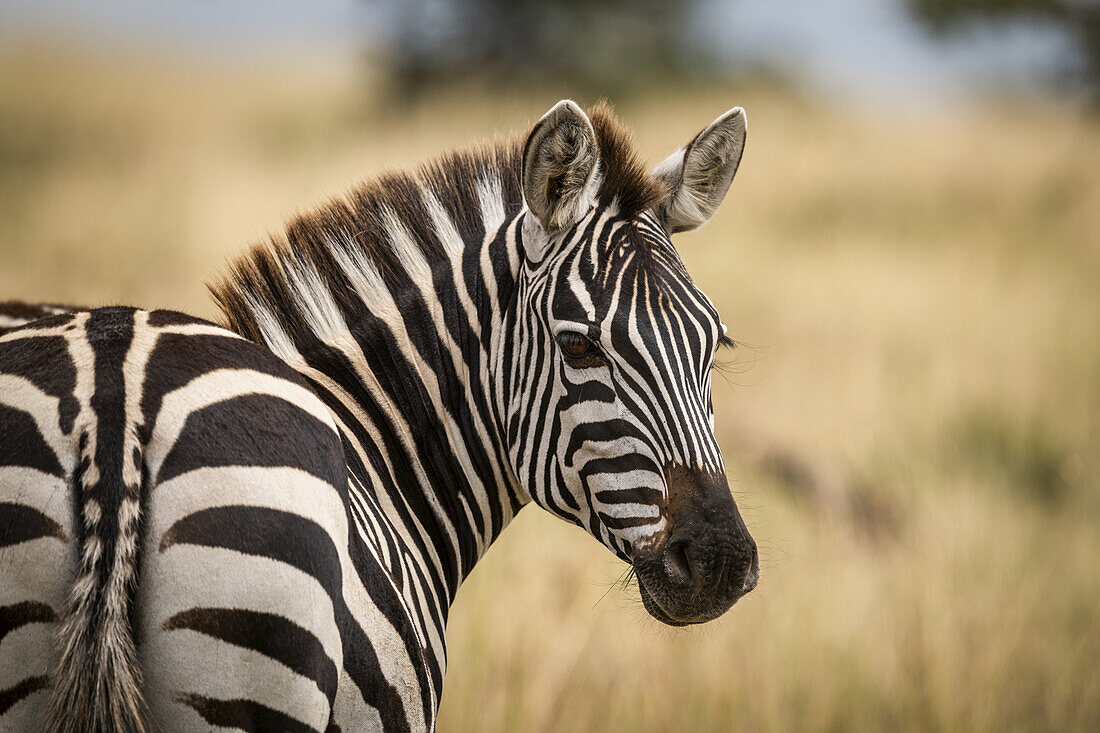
691,564
709,553
752,577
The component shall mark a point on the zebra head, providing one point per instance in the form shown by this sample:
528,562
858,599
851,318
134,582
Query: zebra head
611,416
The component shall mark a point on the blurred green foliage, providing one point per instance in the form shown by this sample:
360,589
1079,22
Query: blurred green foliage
610,47
1078,19
1026,452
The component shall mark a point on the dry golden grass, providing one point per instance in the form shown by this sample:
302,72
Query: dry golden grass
914,434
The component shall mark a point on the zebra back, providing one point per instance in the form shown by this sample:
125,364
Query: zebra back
17,313
173,509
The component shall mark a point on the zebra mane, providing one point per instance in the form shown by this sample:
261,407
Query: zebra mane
624,178
388,231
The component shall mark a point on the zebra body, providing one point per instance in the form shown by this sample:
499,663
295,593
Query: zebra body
272,530
241,559
15,313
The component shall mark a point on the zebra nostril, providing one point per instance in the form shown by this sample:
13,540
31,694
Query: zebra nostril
677,563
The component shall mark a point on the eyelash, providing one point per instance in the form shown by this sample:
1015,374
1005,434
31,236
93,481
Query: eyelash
589,354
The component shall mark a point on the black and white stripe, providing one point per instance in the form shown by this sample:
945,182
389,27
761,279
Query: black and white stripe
271,538
16,313
186,490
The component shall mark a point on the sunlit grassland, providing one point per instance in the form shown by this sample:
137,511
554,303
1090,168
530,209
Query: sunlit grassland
912,427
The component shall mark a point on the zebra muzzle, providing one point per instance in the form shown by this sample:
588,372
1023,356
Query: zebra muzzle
704,560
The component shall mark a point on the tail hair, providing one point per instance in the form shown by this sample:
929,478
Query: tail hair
98,684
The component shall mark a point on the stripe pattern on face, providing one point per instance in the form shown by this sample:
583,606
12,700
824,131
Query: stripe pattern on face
593,439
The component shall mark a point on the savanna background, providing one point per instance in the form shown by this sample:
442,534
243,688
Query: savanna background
909,256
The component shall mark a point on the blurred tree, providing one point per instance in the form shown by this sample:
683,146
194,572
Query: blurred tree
601,46
1078,19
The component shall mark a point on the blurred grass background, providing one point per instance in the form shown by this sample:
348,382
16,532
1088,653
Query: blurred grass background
912,427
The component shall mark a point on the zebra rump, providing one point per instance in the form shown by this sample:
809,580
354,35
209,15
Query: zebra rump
97,684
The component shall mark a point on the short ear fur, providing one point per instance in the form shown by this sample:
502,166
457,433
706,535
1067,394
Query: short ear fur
559,165
699,174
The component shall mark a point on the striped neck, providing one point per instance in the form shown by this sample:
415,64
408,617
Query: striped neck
394,306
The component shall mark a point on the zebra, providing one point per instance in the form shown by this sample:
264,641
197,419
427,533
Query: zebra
16,313
262,524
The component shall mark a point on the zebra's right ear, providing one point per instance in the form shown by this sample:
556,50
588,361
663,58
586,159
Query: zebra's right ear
559,167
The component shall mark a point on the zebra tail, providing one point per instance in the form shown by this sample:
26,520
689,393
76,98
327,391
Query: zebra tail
98,683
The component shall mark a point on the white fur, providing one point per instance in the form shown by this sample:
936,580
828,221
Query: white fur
272,332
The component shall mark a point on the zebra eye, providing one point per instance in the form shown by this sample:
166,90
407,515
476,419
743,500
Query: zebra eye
577,347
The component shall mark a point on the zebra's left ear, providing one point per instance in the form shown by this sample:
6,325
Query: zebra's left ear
699,174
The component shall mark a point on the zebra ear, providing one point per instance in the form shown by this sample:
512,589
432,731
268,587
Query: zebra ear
559,165
699,174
